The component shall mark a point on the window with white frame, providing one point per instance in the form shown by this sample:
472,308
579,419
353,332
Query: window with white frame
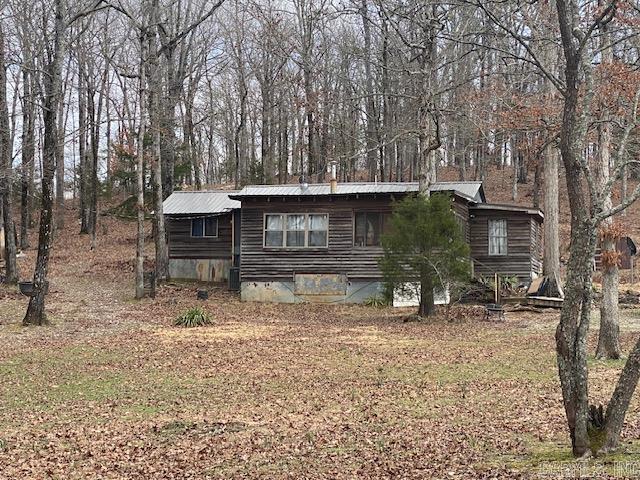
497,237
296,230
204,227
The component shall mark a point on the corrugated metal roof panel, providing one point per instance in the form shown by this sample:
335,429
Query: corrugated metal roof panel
509,208
325,189
470,190
199,202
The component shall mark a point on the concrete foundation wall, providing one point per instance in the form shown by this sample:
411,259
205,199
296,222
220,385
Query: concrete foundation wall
203,270
285,292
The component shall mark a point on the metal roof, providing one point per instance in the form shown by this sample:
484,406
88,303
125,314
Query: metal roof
469,190
509,208
199,202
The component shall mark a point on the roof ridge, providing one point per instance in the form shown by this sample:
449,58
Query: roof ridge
459,181
325,183
281,185
205,191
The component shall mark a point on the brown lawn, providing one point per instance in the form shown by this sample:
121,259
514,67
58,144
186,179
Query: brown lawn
112,390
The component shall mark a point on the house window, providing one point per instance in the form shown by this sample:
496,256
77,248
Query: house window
318,229
273,230
369,227
204,227
296,230
497,237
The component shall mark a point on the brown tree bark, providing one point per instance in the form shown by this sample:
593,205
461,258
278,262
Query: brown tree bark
609,335
155,90
142,99
85,163
426,306
60,168
551,258
6,172
28,149
620,400
571,333
35,314
587,210
370,106
428,121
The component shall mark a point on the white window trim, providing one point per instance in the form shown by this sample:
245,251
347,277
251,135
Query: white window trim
284,231
204,230
506,237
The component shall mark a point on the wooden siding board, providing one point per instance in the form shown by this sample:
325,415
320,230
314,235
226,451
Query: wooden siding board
341,256
358,263
521,258
461,210
183,245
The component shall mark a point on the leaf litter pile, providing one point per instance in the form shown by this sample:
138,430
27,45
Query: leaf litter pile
112,390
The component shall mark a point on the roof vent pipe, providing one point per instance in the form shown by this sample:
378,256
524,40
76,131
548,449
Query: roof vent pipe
334,180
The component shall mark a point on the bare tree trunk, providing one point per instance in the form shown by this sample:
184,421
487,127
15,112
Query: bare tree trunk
515,163
35,314
620,400
370,106
571,333
238,137
107,176
551,256
85,174
428,123
609,335
155,89
140,169
387,114
60,169
426,307
91,175
28,150
6,173
551,261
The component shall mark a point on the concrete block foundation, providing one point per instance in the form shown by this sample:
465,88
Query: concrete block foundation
285,292
201,269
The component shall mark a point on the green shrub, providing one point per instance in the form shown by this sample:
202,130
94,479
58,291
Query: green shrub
194,317
376,301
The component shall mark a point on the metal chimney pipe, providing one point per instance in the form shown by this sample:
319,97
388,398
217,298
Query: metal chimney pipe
334,180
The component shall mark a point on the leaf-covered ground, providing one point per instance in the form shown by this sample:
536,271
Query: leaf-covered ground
112,390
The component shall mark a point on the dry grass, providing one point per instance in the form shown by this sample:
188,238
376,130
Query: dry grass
111,390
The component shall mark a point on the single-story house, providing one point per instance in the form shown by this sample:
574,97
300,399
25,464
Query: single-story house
321,242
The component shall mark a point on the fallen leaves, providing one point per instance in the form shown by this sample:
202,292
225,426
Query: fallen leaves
113,391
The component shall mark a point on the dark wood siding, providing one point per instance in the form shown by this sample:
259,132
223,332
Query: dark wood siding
263,264
536,246
359,263
461,210
523,255
183,245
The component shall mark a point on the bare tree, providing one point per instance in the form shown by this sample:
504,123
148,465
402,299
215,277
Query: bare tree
54,53
6,172
588,210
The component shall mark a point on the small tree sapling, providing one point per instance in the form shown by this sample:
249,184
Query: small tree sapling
424,248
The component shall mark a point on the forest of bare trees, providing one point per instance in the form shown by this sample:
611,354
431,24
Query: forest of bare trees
263,92
146,96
